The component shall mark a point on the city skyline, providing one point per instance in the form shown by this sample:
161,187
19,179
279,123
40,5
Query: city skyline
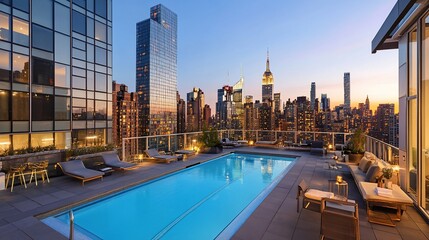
213,59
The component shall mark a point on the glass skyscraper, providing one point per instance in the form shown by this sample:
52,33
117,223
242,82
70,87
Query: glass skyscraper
347,105
55,73
156,72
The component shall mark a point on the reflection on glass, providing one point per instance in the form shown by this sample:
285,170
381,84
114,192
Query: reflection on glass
42,107
21,68
62,75
90,109
20,141
62,108
90,27
4,105
42,139
42,12
79,109
90,80
101,8
100,110
62,48
4,27
20,106
21,5
43,71
4,65
100,56
43,38
412,59
20,32
100,31
79,23
62,19
100,82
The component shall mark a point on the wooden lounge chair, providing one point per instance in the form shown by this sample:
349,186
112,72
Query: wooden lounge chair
268,144
310,195
112,160
154,154
186,152
228,143
76,169
340,219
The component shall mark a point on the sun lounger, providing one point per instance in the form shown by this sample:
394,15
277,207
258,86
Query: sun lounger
112,160
228,143
269,144
185,153
76,169
154,154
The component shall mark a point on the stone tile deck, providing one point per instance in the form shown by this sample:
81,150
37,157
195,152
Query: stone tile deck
275,218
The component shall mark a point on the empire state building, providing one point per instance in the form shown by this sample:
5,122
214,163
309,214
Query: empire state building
267,83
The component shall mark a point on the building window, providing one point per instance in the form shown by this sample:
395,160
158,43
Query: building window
79,109
425,112
43,71
100,56
4,105
21,5
100,110
79,23
101,8
20,106
90,109
62,48
62,19
4,66
81,3
4,27
62,108
42,107
42,12
20,32
100,31
42,139
43,38
412,111
62,75
100,82
20,141
21,68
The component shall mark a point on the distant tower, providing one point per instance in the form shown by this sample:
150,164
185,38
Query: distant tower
367,106
325,103
312,95
347,91
267,82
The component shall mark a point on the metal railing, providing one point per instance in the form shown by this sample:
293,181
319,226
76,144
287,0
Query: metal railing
382,150
134,147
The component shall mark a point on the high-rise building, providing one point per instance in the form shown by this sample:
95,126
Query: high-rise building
312,95
385,124
125,116
325,103
156,71
289,116
181,114
55,74
194,110
277,112
237,104
304,116
267,83
347,105
207,116
224,107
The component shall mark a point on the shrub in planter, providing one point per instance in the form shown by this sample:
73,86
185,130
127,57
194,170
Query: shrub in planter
210,142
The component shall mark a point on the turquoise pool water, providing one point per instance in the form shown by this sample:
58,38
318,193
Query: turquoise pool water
206,201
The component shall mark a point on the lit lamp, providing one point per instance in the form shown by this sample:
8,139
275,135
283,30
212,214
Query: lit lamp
250,142
396,171
339,179
329,146
193,144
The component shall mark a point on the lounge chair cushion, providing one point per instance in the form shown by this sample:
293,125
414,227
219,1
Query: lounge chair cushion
112,160
364,164
76,167
317,194
373,173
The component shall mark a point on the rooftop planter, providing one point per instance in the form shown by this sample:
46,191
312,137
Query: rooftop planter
209,142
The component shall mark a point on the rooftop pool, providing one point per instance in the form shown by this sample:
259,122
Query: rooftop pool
207,201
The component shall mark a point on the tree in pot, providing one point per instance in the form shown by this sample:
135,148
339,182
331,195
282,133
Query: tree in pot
355,147
210,142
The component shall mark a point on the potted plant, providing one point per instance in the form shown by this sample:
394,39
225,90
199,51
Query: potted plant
387,175
210,142
355,148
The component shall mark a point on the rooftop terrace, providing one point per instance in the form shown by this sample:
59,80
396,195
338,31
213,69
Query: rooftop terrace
275,218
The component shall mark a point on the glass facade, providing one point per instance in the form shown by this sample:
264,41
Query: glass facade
156,72
55,69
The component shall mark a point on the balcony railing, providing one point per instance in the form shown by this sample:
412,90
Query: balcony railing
382,150
134,147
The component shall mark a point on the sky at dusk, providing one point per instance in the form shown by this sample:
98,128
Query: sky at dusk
308,41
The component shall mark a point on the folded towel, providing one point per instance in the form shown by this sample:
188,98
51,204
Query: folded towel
384,192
